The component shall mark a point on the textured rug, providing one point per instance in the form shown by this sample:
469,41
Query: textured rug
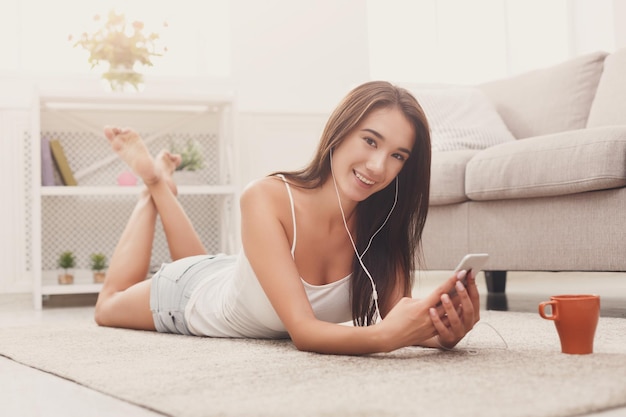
524,375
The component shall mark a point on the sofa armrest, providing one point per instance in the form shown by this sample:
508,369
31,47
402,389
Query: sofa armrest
447,177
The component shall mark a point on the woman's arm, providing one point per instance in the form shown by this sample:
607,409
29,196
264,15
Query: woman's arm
267,247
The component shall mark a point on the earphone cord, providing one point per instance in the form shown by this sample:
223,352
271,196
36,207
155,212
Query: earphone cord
360,257
470,350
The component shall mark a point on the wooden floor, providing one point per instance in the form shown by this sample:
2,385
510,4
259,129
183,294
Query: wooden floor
27,392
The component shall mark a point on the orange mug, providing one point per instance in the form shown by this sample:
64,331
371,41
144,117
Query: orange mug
576,318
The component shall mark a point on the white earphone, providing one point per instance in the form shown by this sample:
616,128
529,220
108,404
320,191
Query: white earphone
360,256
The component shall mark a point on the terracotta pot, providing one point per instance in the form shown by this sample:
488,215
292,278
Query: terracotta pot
65,279
98,277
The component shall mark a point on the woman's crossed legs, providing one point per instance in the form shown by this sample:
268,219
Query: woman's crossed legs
124,300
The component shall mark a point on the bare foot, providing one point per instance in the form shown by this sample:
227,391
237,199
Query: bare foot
166,164
131,149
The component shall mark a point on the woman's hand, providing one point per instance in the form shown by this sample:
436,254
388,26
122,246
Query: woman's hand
458,314
408,323
439,320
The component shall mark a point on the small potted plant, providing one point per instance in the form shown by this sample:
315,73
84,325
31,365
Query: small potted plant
66,262
98,263
191,161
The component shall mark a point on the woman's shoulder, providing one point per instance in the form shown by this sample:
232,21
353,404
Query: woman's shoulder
264,192
263,202
264,186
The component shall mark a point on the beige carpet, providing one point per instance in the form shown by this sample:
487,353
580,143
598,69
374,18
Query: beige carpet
189,376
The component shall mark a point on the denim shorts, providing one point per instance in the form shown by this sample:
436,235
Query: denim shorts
171,289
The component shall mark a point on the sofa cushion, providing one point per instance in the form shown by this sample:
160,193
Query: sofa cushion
609,104
548,100
461,118
551,165
447,177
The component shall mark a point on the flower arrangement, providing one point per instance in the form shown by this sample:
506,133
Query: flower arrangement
121,45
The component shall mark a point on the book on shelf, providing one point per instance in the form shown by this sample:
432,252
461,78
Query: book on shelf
47,166
61,163
57,177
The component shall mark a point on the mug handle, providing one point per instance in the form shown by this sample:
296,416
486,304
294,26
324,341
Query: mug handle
542,312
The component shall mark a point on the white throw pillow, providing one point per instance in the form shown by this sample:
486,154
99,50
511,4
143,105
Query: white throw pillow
461,118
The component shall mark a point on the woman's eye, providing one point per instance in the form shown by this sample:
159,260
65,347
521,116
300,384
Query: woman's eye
399,157
369,141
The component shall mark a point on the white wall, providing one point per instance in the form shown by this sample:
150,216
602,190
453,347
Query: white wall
292,63
619,18
297,56
593,25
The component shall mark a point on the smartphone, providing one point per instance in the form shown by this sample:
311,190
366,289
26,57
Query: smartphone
473,262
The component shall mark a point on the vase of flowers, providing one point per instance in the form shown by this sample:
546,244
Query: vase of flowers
121,46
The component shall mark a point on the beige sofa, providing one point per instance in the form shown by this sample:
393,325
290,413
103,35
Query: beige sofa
553,199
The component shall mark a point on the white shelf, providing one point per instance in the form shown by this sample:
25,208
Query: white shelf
83,283
90,217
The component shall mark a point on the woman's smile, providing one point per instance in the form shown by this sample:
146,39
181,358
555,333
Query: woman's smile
363,179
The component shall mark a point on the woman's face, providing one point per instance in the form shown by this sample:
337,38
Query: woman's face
373,154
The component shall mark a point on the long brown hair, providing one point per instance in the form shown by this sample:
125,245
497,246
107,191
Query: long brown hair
397,247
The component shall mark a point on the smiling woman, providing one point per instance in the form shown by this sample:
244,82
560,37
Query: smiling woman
338,239
38,42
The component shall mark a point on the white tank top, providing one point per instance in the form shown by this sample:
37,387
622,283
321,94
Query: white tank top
231,302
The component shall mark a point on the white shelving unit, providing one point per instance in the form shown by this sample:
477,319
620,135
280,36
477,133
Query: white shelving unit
90,217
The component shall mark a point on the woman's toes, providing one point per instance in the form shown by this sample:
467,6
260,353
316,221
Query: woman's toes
109,132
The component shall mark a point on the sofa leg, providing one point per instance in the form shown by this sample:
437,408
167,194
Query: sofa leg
496,281
496,285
